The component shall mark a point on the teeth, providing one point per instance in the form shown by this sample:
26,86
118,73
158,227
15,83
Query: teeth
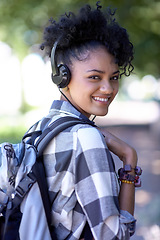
101,99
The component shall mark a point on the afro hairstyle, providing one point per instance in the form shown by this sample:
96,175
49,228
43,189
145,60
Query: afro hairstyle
76,33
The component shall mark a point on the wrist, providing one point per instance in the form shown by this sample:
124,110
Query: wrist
130,158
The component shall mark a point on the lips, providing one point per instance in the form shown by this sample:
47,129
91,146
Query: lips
101,99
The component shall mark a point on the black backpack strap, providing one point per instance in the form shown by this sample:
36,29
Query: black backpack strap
55,128
86,234
39,171
32,136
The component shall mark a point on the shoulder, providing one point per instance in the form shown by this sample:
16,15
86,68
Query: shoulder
90,136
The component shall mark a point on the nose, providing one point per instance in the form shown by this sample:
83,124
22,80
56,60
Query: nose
106,87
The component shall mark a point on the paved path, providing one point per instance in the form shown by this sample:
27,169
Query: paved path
146,140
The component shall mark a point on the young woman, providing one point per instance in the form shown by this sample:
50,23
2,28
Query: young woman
89,53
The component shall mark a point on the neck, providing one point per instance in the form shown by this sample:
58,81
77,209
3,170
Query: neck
65,98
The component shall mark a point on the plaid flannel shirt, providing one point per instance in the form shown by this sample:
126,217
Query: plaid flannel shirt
83,185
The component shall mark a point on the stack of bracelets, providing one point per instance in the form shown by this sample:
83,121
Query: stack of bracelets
125,177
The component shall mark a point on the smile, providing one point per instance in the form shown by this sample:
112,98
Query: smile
100,99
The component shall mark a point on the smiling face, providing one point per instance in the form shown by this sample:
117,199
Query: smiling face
94,82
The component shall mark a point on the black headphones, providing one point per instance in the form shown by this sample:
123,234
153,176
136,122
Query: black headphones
61,74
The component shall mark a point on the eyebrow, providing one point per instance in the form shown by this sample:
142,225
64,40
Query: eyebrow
99,71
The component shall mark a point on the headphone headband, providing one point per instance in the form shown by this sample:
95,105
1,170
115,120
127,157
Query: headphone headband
53,59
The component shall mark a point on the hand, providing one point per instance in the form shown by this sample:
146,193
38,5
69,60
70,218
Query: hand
125,152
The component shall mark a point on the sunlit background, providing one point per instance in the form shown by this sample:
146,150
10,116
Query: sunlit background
26,89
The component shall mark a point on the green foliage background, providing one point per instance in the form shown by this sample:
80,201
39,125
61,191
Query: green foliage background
22,23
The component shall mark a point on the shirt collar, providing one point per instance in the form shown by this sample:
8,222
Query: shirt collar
66,107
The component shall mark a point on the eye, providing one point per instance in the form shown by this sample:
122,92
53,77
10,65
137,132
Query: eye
95,77
115,78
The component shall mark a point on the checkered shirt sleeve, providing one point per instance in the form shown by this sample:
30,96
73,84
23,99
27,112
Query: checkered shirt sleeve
96,186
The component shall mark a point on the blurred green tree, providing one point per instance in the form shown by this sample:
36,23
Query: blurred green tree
22,23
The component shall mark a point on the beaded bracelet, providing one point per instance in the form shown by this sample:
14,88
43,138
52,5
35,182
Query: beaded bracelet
127,178
125,181
131,179
128,168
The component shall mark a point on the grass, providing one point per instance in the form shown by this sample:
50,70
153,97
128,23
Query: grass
11,129
12,134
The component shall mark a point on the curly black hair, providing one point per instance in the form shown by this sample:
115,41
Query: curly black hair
76,33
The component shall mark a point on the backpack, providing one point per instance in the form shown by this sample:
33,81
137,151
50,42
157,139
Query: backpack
21,167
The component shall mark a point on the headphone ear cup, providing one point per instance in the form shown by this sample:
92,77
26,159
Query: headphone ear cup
63,77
